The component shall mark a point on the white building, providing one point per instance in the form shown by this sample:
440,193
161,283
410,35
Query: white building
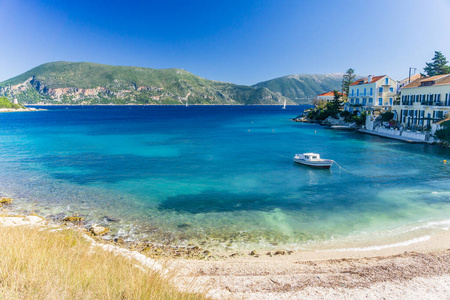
424,102
325,98
371,93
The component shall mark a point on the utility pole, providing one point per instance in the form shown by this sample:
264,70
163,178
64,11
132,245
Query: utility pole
409,78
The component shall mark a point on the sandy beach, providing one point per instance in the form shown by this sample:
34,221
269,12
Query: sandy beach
420,271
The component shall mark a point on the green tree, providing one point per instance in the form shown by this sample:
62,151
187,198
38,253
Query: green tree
387,116
349,78
336,103
444,133
438,66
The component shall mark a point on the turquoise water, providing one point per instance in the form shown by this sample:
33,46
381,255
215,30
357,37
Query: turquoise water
220,176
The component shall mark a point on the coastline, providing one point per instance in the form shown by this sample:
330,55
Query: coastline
420,268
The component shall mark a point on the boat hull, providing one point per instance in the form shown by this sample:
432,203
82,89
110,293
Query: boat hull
323,164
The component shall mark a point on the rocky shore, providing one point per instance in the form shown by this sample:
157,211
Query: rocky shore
420,269
2,110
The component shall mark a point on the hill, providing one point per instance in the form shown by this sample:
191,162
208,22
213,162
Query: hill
303,88
5,103
90,83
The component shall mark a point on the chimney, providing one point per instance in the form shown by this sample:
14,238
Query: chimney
369,79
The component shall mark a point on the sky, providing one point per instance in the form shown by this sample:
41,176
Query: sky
239,41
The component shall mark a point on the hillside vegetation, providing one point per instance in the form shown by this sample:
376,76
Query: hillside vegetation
90,83
5,103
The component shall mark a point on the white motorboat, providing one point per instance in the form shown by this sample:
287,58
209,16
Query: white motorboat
313,160
284,106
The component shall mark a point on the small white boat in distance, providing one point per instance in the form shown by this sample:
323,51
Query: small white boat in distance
284,106
313,160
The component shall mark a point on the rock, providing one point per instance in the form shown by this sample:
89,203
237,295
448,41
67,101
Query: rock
98,230
234,254
253,252
108,219
74,218
119,240
184,226
290,252
4,200
269,253
280,252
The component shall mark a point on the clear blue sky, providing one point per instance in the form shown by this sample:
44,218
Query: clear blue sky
228,40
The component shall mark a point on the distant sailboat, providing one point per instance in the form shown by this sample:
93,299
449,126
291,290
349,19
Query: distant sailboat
187,102
284,106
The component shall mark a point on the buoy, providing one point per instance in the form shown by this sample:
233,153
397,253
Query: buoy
273,130
249,130
315,131
445,161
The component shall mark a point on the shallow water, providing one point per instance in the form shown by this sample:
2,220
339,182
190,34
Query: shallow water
221,176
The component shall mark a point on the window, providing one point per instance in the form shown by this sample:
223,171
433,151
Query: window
371,91
380,90
380,101
357,100
391,101
364,101
370,100
351,101
364,91
386,81
357,92
353,92
391,89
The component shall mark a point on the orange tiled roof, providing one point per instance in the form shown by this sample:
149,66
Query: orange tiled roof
364,80
439,80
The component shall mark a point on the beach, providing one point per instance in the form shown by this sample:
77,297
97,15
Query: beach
419,270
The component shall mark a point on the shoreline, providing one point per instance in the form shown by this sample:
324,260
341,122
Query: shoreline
327,274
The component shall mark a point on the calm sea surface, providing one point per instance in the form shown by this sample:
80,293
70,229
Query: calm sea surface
221,176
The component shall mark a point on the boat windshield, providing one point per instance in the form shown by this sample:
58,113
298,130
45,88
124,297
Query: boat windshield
307,156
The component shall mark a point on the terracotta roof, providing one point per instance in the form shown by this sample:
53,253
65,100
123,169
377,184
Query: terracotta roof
438,80
364,80
329,94
412,78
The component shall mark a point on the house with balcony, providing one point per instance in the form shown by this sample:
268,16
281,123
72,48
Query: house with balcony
325,98
374,93
424,102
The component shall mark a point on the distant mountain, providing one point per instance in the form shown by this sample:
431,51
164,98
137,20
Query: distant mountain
90,83
302,88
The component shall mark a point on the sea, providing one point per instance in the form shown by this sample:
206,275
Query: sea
222,177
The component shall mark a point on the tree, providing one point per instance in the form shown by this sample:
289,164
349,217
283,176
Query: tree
438,66
387,116
349,78
336,102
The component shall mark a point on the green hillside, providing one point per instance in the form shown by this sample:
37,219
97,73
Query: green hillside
90,83
304,87
5,103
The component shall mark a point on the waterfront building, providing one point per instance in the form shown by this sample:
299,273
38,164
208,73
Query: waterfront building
424,102
325,98
374,93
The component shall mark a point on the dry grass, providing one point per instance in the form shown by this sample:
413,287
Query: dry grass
39,264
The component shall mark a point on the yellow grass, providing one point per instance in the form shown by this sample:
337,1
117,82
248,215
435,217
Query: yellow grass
39,264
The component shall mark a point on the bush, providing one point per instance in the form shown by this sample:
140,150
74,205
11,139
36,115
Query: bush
444,134
387,116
